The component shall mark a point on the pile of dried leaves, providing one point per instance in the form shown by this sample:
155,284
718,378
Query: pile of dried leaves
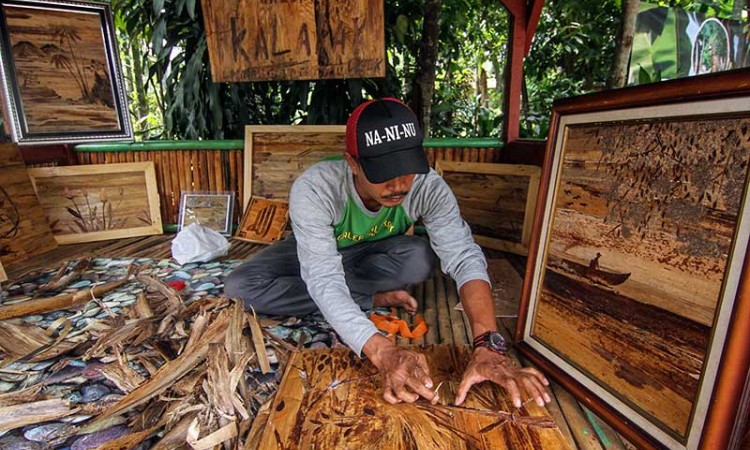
154,374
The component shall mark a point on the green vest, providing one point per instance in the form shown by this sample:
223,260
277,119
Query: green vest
357,226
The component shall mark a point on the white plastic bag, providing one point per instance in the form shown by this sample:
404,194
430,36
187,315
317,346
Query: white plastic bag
196,243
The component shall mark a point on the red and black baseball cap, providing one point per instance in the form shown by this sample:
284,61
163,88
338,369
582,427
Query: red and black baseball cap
384,136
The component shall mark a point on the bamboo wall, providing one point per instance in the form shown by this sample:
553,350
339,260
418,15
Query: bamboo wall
221,170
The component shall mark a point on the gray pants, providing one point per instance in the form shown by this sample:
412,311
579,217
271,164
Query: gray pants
270,280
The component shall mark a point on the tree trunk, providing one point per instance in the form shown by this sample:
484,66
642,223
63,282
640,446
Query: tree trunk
482,90
139,83
619,74
424,83
743,59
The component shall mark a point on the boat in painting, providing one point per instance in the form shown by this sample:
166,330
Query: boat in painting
592,271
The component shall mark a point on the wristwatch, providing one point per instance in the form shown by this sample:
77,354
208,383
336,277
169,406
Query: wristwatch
493,341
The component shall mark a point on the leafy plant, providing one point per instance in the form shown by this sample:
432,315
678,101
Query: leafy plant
571,54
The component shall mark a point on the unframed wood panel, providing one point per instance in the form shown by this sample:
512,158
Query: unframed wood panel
275,155
97,202
333,399
23,229
498,201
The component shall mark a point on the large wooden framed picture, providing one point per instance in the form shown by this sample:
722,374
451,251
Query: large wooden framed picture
61,75
99,201
275,155
636,296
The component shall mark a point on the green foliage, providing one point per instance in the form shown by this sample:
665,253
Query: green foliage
571,54
722,8
473,38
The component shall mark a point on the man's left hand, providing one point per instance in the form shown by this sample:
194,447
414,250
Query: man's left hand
489,365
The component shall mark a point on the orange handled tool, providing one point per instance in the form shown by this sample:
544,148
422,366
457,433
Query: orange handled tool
393,325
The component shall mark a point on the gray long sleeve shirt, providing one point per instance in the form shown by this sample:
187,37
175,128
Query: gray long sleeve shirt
317,202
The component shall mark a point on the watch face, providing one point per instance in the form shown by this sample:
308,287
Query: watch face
497,340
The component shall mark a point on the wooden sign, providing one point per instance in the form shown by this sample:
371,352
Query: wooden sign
98,202
498,201
275,155
23,230
250,40
264,221
333,399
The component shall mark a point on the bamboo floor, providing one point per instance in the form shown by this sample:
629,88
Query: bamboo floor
436,296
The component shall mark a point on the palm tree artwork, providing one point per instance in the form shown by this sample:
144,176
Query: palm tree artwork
61,69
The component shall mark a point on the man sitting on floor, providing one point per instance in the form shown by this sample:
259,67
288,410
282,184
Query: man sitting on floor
349,252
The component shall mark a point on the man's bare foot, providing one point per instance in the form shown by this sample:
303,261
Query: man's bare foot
398,299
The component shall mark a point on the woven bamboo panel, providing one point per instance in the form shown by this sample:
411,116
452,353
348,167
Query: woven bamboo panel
332,399
23,229
223,170
294,40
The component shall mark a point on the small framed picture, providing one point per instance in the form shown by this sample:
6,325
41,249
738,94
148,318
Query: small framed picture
211,210
264,221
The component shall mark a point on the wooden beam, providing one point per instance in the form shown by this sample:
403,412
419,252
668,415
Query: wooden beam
532,20
514,69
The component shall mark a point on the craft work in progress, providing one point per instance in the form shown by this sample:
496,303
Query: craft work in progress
264,221
212,211
333,399
98,202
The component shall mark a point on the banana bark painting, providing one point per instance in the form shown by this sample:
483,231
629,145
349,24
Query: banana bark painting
643,231
62,71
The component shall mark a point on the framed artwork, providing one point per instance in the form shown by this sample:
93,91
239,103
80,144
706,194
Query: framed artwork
636,296
264,221
211,210
60,71
496,200
97,202
275,155
24,232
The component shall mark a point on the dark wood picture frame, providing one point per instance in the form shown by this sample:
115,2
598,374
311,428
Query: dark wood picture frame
597,175
60,73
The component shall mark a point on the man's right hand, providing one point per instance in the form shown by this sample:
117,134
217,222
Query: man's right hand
405,373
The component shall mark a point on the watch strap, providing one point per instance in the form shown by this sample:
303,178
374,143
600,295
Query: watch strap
483,340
